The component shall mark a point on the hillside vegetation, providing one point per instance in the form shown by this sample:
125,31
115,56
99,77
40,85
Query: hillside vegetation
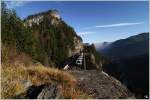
24,53
47,43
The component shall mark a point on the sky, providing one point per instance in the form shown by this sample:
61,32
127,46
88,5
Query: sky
99,21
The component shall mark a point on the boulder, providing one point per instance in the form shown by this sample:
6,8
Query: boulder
50,92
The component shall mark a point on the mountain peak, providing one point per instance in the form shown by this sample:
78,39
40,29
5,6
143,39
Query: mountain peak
54,13
37,18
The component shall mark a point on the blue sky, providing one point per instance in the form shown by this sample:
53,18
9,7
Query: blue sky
94,21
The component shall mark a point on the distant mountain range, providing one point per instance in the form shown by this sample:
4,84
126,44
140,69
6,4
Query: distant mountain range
129,62
125,48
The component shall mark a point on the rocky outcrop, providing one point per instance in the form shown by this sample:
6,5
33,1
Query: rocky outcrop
38,18
93,59
51,91
99,85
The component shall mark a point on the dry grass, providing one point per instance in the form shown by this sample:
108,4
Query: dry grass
73,93
12,75
44,74
18,67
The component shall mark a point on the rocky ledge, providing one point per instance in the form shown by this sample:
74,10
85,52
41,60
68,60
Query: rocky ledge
99,85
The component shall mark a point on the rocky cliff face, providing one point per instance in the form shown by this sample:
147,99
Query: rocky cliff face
38,18
93,59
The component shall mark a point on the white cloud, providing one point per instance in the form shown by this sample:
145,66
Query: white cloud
85,33
14,4
112,25
118,25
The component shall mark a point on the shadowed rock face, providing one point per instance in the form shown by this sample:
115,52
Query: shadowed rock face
101,86
41,92
49,92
